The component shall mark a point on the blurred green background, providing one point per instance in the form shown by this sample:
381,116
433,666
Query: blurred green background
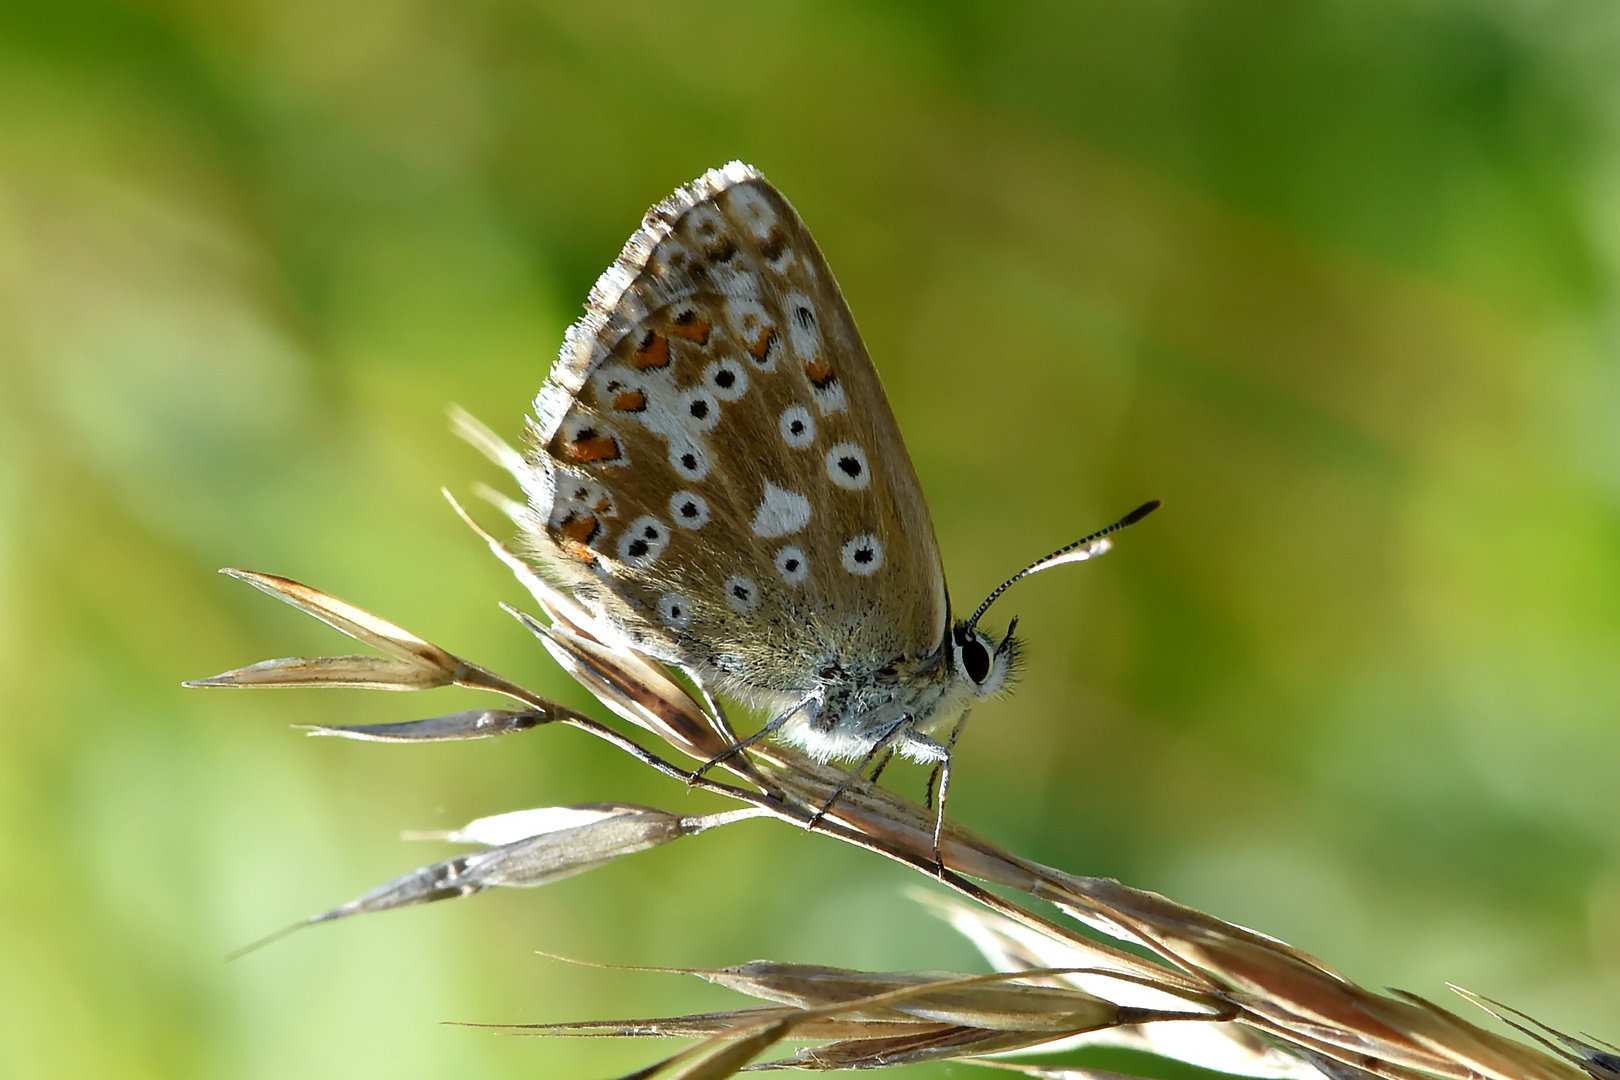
1336,280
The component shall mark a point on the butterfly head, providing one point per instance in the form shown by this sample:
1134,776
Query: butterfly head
980,665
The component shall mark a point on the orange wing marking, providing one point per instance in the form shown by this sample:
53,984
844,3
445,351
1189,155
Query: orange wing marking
589,446
653,353
580,528
819,372
760,347
689,325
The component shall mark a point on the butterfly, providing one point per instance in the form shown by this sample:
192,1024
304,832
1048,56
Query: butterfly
714,470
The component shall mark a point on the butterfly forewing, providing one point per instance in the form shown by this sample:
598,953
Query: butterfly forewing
716,469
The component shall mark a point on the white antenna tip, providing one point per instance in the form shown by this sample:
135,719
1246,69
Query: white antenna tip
1079,554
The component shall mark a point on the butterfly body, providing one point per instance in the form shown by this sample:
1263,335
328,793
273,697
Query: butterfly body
714,471
853,710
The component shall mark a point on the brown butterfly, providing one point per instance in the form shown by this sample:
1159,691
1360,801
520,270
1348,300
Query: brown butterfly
713,469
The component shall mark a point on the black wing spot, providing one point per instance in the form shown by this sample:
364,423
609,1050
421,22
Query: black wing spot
688,461
637,548
699,409
689,509
725,378
850,466
792,566
863,556
804,317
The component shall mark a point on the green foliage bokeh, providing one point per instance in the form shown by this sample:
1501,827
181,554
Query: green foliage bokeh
1334,280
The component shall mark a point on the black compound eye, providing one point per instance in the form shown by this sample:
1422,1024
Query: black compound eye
976,660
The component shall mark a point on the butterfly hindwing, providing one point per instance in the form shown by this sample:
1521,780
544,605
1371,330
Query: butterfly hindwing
715,466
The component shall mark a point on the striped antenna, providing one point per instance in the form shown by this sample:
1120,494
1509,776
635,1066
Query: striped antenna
1088,547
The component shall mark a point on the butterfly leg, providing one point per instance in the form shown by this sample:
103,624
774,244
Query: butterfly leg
942,764
942,773
743,744
884,764
891,734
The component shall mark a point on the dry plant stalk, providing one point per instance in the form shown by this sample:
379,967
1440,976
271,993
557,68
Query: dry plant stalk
1213,994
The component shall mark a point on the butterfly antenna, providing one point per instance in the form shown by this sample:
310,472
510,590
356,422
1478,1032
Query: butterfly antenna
1088,547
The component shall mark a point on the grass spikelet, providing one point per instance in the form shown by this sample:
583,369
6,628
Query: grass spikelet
1208,992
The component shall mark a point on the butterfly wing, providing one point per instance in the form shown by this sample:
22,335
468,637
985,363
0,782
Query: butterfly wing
714,467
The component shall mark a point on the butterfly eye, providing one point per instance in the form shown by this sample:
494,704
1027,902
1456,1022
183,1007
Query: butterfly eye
976,660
